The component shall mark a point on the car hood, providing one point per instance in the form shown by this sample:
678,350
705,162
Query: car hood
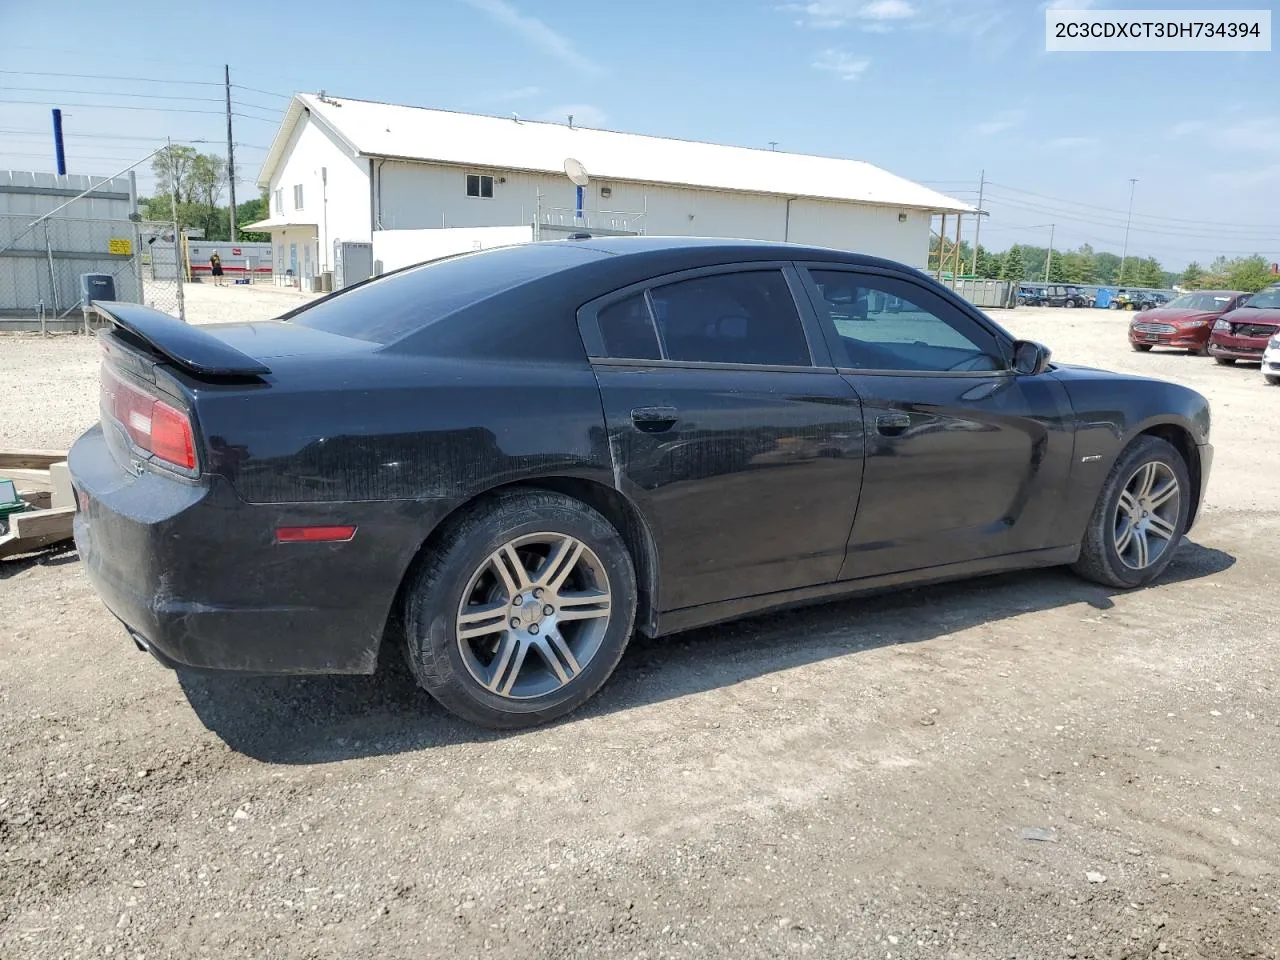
1072,371
1253,315
1177,315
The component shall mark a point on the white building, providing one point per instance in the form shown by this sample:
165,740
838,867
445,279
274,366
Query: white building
419,183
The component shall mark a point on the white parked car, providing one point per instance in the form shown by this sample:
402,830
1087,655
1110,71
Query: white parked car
1271,361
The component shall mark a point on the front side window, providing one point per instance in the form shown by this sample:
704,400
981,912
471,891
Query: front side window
479,185
884,323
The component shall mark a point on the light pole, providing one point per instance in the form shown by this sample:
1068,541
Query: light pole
1127,220
1048,260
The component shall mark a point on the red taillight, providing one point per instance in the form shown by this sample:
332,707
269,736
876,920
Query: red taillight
314,534
171,437
154,426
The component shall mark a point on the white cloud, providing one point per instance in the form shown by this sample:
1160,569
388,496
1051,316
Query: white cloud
519,93
1002,121
584,115
887,10
842,63
833,14
538,34
1073,143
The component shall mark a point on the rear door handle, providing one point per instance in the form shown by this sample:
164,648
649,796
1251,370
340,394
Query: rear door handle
892,424
654,419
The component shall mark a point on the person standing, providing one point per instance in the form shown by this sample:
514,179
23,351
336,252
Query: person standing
215,267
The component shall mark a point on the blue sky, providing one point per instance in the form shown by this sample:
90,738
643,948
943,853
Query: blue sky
934,90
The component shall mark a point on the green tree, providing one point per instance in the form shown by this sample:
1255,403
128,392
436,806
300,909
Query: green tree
1057,270
1106,267
1033,261
1078,266
988,265
1191,276
1014,267
251,211
1250,274
195,181
1149,273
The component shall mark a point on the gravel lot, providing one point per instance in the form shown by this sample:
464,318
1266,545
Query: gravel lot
1024,766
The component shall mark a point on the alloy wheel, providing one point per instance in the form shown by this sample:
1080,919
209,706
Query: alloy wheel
1146,519
533,615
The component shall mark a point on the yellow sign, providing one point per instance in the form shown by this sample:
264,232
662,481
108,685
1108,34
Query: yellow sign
118,246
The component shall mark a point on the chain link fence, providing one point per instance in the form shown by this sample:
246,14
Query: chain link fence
41,267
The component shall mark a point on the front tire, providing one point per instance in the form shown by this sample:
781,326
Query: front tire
1141,347
1272,379
1139,518
1226,361
522,612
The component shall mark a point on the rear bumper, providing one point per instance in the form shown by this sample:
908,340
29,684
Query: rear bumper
195,575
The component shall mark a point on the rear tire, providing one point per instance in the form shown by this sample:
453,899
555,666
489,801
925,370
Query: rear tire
1225,361
1141,347
1139,518
479,642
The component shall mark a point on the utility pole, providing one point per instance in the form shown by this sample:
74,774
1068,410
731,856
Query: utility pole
1124,255
231,151
1048,260
179,271
977,227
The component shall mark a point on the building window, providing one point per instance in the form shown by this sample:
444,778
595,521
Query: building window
479,185
297,196
279,198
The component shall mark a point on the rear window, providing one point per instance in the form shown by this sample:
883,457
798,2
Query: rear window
390,308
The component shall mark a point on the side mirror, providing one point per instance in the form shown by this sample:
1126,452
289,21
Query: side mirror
1030,359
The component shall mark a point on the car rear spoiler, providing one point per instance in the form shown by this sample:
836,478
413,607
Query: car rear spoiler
189,347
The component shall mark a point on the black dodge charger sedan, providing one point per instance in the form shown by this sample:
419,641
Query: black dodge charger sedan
506,461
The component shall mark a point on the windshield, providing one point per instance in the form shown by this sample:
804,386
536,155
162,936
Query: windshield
1268,299
1200,301
388,308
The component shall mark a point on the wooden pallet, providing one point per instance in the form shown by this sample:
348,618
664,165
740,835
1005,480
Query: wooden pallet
43,481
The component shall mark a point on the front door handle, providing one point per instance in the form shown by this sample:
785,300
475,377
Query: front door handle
654,419
892,424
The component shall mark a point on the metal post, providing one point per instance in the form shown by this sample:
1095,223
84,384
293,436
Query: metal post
53,277
942,244
955,270
177,234
59,151
1125,253
1048,260
977,226
231,152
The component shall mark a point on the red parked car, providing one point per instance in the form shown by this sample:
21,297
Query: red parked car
1243,333
1183,323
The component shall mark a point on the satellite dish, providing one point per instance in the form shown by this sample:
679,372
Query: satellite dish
576,172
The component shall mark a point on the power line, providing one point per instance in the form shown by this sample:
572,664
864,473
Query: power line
266,93
110,93
119,106
1136,216
100,76
1167,230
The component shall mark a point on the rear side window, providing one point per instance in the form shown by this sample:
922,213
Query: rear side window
741,317
388,308
627,329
